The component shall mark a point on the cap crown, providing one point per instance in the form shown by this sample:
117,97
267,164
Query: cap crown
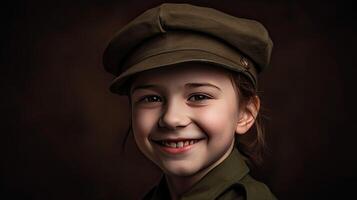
248,36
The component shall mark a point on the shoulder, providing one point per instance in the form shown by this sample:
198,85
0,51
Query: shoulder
248,188
255,189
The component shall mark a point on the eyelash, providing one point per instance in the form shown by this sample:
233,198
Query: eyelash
205,97
145,98
202,97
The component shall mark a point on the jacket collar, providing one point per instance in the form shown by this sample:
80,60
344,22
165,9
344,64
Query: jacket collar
220,178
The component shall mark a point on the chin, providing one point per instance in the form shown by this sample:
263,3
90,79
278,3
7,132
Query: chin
183,170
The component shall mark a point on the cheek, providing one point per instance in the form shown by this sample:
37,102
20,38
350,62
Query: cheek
218,119
143,121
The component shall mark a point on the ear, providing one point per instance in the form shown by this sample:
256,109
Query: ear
247,115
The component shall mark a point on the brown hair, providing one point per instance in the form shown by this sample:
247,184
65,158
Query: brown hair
252,144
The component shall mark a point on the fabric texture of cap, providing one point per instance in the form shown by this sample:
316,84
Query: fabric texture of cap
176,33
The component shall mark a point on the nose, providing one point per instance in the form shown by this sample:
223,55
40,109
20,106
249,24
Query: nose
174,116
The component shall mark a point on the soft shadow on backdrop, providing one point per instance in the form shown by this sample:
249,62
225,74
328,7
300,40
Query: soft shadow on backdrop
62,129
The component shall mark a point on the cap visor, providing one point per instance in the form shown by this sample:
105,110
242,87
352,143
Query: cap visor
171,58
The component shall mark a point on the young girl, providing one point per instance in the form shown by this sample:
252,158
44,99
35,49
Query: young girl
191,77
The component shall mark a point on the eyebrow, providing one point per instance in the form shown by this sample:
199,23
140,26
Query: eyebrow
147,86
188,85
196,85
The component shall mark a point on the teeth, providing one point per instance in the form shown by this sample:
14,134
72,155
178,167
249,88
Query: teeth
178,144
172,144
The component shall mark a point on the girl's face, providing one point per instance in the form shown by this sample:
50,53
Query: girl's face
184,118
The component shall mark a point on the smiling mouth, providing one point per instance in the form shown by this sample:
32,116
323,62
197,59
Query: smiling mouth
177,143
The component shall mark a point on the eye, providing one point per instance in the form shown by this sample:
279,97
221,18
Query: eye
199,97
151,98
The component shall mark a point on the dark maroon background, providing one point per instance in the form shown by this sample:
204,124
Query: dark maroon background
62,130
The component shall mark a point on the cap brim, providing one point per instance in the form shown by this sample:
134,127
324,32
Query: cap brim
171,58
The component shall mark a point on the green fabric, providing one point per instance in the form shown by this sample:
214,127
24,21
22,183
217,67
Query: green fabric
175,47
248,37
229,180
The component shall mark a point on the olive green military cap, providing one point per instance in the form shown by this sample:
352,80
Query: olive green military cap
177,33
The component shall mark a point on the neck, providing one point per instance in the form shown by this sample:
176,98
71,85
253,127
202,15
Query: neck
178,185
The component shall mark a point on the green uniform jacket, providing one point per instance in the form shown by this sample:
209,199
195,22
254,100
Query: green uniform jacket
229,180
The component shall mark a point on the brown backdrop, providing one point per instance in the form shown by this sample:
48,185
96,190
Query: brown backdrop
62,130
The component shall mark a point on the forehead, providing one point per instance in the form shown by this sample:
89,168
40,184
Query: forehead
184,72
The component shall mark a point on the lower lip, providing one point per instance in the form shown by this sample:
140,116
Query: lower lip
179,150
